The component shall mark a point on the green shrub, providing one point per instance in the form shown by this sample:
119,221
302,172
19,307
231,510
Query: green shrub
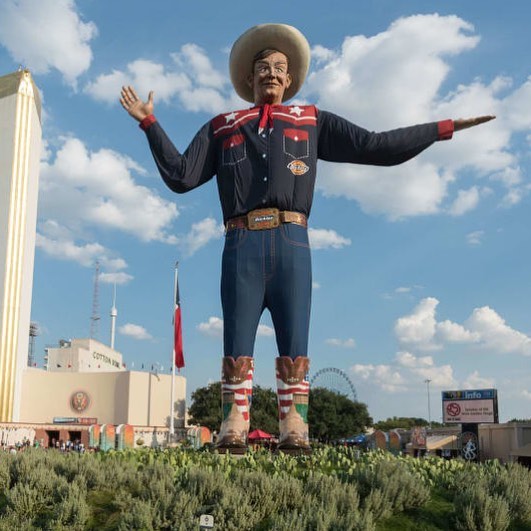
332,489
138,516
5,476
10,522
72,511
389,487
513,483
477,510
27,502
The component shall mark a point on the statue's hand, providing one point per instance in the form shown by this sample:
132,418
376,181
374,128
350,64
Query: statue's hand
137,108
465,123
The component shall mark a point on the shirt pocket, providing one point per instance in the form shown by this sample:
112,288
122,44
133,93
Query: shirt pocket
234,150
296,143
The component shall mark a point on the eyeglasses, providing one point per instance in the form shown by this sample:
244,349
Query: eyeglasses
265,68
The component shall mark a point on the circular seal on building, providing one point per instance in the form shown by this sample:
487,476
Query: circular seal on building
79,401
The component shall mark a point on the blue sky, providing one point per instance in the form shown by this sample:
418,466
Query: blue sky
420,271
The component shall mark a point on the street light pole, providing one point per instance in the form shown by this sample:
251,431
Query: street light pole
427,382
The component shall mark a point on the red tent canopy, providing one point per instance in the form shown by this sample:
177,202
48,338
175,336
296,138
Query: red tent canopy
259,434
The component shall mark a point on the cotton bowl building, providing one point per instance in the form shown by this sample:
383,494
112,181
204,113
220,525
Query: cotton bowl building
85,383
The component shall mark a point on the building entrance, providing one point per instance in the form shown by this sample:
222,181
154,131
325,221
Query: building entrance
74,436
53,438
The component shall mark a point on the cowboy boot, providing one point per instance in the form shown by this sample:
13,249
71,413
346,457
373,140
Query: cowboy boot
293,390
236,392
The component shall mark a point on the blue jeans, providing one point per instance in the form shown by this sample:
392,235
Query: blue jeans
266,269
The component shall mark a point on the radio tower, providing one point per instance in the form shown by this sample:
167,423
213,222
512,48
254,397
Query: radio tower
33,333
94,319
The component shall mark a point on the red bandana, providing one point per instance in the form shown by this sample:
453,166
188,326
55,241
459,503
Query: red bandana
267,118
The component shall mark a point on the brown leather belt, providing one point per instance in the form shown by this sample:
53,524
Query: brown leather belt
266,218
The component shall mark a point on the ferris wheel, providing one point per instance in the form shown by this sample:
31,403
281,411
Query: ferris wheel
334,380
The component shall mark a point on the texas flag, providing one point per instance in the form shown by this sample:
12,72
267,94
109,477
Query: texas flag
178,355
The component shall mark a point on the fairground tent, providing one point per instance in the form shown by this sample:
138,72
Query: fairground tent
259,434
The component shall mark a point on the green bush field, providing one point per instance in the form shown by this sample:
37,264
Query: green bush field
331,489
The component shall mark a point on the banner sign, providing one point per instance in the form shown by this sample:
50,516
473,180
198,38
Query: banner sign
75,420
87,420
472,406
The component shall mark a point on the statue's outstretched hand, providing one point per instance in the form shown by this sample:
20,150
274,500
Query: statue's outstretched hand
465,123
137,108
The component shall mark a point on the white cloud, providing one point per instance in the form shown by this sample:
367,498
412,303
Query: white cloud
516,109
341,343
214,328
85,255
475,381
441,376
47,34
455,333
495,334
526,394
475,237
58,242
485,329
190,79
363,371
135,331
193,59
394,79
384,376
406,359
403,289
119,278
82,188
145,76
322,54
411,189
419,327
265,331
465,201
409,374
201,234
316,285
325,238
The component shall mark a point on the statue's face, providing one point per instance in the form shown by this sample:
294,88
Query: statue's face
270,79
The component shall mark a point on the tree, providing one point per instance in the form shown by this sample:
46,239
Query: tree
334,416
405,423
264,410
206,408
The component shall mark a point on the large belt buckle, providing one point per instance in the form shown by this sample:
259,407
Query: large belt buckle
264,218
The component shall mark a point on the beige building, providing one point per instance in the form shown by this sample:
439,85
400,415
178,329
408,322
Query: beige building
85,385
20,147
83,355
507,442
119,397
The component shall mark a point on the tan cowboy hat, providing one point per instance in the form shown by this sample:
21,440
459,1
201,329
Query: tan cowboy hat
281,37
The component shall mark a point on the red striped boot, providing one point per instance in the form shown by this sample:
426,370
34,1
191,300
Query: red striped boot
293,390
236,392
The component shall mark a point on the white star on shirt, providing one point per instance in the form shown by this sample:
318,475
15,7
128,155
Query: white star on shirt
231,117
296,110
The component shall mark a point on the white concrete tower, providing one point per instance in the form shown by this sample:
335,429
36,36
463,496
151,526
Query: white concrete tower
114,313
20,149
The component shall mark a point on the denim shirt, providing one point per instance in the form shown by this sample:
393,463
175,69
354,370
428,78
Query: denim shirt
276,165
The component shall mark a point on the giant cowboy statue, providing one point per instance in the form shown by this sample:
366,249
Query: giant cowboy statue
265,160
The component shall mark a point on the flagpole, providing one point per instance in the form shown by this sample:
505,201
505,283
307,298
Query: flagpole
172,401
